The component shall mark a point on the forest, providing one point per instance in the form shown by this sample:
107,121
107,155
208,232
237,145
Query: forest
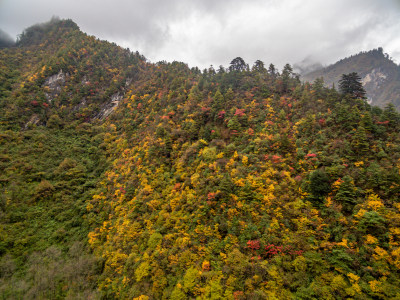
126,179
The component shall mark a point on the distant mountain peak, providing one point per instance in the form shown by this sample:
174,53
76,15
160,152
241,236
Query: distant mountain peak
380,75
35,34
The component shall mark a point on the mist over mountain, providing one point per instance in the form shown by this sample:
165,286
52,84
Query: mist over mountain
380,75
204,33
126,179
5,39
307,65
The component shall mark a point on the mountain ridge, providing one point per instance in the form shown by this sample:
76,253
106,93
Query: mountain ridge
380,75
59,47
139,180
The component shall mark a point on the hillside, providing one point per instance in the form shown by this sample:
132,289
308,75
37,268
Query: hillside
55,83
380,75
125,179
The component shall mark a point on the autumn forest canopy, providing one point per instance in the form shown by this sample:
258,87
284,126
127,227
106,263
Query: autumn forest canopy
126,179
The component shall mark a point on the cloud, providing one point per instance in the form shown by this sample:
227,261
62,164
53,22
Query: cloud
205,32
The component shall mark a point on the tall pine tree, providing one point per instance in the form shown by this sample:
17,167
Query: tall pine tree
350,84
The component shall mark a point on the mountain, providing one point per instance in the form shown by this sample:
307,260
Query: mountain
380,75
55,83
121,178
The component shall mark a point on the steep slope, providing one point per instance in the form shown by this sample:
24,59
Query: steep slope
229,186
54,86
380,75
62,70
123,179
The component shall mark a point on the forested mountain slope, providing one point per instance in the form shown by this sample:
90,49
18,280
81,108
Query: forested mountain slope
380,75
54,85
228,184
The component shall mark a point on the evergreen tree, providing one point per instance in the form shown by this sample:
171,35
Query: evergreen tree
367,122
360,141
229,95
287,75
319,185
226,186
318,87
218,102
272,71
346,194
237,64
350,84
259,67
390,114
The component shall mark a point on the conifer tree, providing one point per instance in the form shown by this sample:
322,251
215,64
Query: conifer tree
360,141
218,102
259,67
237,64
346,194
350,84
390,114
318,87
319,185
272,71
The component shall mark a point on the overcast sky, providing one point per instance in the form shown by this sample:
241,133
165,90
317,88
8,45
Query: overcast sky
213,32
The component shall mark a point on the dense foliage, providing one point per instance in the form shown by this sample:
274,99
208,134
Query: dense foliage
51,157
240,183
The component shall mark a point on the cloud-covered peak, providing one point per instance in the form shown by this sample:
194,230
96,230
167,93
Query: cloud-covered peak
208,32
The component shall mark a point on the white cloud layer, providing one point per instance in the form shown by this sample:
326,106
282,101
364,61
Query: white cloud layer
213,32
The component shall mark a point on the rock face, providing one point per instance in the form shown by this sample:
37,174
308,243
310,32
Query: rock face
128,81
53,85
110,106
34,120
372,82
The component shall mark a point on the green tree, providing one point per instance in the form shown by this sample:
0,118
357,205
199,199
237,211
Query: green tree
259,67
346,194
350,84
272,70
237,64
319,88
390,114
54,122
218,103
372,223
319,185
190,280
234,124
360,142
367,122
226,186
229,95
286,76
178,294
